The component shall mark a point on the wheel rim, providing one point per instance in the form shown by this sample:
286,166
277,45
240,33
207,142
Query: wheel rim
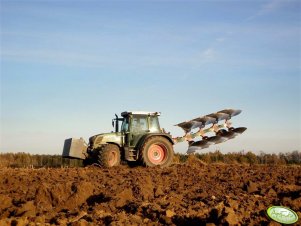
112,158
157,154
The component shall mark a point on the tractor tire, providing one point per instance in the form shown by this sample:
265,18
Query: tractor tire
87,162
157,151
109,155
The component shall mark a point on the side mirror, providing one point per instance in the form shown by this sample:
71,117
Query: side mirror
113,124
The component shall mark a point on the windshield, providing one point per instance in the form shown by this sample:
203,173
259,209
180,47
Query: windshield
154,124
139,123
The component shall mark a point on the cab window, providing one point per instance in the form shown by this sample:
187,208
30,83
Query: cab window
154,124
125,125
139,123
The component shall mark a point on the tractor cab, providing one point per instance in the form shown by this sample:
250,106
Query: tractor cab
137,121
137,124
140,121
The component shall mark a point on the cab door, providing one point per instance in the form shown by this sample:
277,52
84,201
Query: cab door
138,127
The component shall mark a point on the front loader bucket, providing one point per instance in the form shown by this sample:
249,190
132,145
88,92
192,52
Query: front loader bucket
75,148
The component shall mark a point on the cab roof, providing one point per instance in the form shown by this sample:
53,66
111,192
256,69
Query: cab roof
126,113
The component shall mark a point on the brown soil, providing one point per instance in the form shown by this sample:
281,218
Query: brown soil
193,193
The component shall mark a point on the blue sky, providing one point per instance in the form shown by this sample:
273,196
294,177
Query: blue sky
68,66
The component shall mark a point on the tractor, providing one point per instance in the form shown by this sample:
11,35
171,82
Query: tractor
138,137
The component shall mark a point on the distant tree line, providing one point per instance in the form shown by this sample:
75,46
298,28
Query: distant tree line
19,160
249,157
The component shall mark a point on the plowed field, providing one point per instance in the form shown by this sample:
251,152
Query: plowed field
185,194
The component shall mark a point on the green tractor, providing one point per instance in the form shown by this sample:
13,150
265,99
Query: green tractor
138,138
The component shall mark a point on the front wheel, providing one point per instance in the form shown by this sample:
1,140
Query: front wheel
157,151
109,155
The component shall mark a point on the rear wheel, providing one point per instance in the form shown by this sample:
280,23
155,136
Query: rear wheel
109,155
157,151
